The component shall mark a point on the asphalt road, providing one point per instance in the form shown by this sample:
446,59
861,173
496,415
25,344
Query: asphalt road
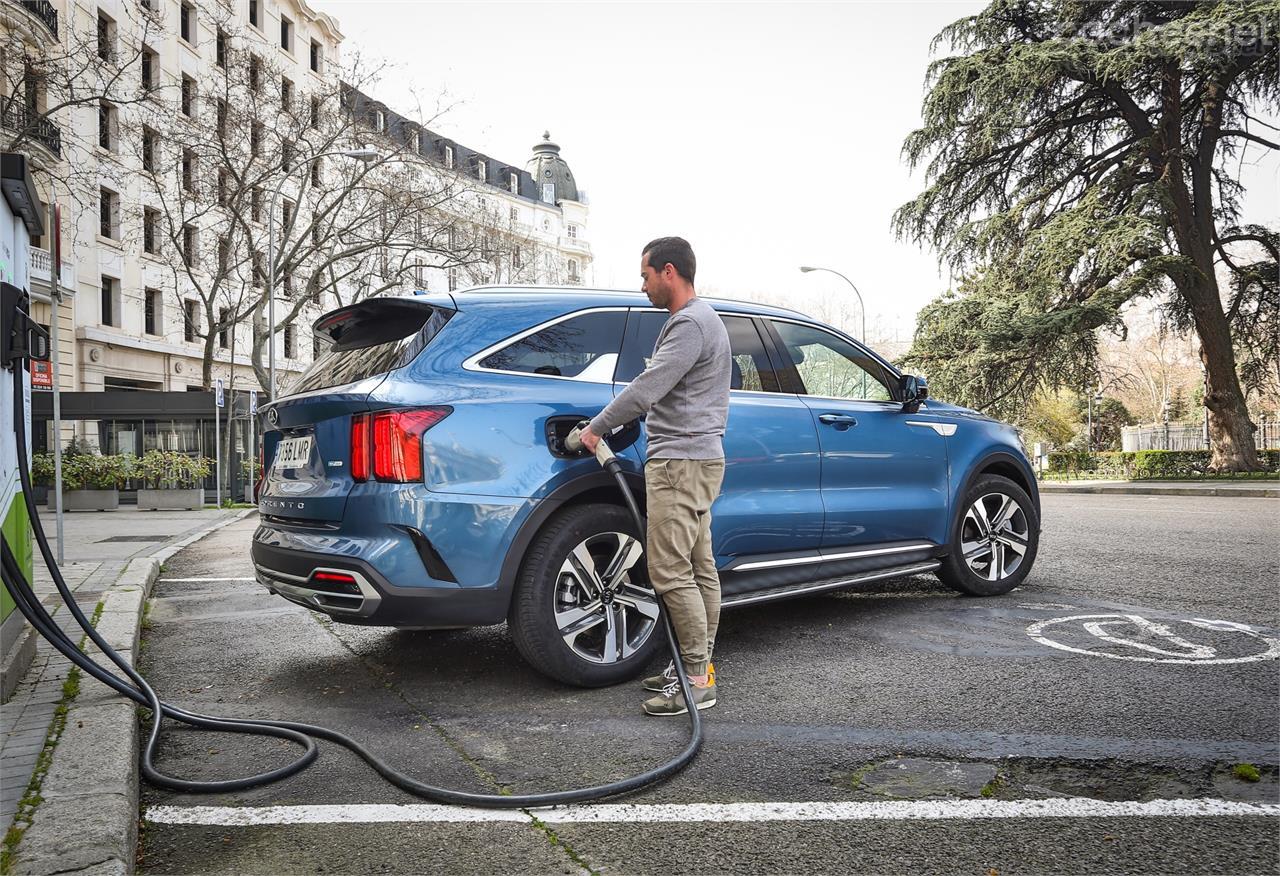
1163,693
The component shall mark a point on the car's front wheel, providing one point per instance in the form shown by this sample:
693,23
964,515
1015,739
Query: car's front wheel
993,540
583,611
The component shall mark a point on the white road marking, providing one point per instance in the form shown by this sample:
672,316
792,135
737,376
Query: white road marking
907,810
196,580
1037,631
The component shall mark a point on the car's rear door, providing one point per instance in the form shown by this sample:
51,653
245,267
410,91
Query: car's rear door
770,501
884,472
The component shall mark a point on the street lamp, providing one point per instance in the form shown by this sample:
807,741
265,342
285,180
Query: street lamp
805,269
366,154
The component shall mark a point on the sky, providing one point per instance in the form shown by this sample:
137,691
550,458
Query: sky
767,134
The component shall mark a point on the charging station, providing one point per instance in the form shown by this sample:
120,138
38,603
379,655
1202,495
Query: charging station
20,339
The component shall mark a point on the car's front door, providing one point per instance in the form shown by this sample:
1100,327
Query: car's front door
884,471
770,500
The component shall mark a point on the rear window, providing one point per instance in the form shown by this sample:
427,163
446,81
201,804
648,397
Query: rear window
368,339
585,347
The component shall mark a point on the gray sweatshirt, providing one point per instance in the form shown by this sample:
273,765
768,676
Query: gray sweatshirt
685,389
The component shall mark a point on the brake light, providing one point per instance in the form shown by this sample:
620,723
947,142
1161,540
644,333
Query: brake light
395,440
360,447
333,576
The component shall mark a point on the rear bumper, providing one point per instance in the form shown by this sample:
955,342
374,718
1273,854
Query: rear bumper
290,573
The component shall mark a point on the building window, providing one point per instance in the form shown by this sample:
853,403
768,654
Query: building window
482,170
290,348
223,181
573,271
515,215
317,179
221,120
188,97
419,275
151,311
224,253
513,182
549,193
517,257
255,139
224,336
187,23
255,204
286,94
415,141
150,63
106,37
189,241
259,270
286,34
190,318
571,231
189,170
317,234
286,154
315,112
286,216
453,279
317,56
255,13
109,214
448,157
148,150
379,121
110,301
220,49
255,73
151,230
106,126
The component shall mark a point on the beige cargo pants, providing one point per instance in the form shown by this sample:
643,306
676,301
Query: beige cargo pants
679,493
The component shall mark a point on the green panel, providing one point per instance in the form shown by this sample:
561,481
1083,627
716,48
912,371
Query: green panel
17,531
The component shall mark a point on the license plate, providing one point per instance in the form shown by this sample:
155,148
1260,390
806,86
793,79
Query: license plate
293,453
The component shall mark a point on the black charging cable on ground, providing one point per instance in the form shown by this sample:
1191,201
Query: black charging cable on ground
138,690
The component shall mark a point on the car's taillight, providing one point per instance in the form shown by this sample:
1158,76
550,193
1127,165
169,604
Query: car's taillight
394,439
360,447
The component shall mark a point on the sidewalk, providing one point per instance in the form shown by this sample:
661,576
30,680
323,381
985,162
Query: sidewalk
99,545
1268,489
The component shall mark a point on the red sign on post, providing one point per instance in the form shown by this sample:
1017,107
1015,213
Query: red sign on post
41,375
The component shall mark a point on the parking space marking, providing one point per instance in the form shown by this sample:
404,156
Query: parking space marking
200,580
1103,628
905,810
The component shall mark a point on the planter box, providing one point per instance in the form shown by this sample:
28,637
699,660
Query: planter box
90,500
171,500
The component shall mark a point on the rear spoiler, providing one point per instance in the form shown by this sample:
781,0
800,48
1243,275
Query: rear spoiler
374,321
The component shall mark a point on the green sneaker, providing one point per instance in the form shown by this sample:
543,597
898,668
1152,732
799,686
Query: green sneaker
658,683
671,701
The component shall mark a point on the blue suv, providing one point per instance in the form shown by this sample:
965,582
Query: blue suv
416,475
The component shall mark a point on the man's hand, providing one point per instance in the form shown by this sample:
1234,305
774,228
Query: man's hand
589,439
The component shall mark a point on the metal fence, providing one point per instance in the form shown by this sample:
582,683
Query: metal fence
1188,436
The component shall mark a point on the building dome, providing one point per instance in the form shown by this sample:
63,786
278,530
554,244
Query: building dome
550,172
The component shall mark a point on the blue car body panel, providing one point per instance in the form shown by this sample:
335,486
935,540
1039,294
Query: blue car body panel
802,474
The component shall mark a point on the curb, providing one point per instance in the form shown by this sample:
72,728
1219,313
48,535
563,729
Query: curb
1250,492
88,818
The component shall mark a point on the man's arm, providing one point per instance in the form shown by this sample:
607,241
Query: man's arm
672,360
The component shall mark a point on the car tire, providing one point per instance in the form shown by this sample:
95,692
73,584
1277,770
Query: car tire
994,560
561,620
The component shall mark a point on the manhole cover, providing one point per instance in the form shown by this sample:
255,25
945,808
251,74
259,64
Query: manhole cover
132,538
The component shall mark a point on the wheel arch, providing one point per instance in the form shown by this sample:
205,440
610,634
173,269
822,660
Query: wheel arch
1004,464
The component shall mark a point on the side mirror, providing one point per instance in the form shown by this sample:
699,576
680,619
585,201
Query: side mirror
913,390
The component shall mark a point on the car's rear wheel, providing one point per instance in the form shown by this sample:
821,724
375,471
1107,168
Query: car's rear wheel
584,612
993,540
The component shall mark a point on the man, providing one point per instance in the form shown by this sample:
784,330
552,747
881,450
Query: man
685,392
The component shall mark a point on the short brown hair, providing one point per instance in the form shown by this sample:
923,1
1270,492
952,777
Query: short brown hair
674,251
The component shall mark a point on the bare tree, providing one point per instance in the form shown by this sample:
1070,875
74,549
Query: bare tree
254,188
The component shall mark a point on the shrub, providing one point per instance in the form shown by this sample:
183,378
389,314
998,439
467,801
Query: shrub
169,469
1137,465
87,471
42,469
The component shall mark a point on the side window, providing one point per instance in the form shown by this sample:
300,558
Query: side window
751,367
831,367
585,347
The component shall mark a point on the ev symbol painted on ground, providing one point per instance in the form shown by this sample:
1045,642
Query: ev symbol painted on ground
1133,637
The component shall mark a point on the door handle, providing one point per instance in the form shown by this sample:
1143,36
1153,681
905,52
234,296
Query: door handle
840,421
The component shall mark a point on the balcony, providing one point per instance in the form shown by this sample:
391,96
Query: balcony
574,244
41,269
30,125
43,11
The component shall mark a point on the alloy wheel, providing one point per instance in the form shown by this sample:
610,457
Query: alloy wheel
995,536
604,607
